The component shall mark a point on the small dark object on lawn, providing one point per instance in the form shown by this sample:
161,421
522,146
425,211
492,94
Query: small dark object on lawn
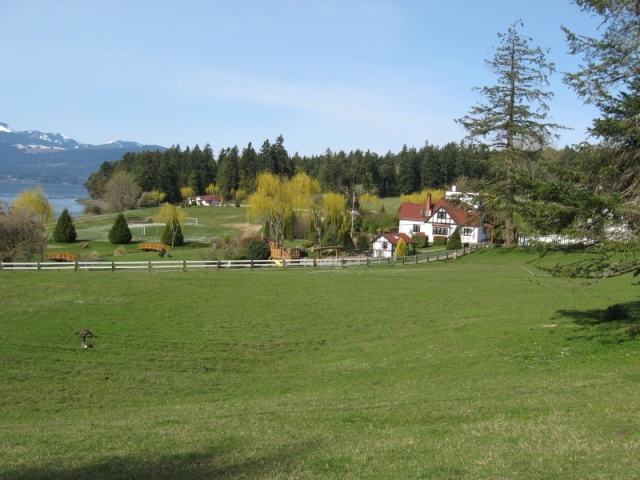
84,333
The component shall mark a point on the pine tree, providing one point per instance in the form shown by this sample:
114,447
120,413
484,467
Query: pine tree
65,231
120,233
172,236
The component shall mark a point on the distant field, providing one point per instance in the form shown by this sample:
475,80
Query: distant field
473,368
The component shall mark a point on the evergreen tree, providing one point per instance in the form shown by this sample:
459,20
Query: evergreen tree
65,231
228,177
401,248
120,233
172,235
514,117
454,242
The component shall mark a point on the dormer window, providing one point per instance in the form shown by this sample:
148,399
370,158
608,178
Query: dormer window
442,214
423,213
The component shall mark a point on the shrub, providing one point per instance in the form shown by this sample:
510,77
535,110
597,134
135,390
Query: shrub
422,241
120,252
401,248
172,237
258,250
65,232
440,241
362,242
454,242
120,233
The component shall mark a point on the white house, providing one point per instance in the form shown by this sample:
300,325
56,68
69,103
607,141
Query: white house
440,219
385,244
205,200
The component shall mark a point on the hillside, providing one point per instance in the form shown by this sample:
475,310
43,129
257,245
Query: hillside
55,158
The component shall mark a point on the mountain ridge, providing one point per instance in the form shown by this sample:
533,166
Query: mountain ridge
55,158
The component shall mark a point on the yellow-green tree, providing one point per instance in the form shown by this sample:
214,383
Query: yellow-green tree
307,197
158,196
34,204
212,189
334,206
401,248
172,217
186,192
421,197
272,202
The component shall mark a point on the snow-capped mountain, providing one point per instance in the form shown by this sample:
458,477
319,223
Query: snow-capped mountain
54,157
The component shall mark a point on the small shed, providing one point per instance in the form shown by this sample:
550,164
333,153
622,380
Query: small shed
384,246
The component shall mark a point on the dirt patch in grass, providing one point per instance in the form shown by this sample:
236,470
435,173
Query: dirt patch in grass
248,229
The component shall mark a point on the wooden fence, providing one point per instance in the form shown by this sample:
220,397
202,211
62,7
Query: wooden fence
193,265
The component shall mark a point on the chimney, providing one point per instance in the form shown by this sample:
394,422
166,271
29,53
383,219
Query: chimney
428,205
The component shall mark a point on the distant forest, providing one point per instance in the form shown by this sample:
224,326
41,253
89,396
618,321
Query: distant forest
233,172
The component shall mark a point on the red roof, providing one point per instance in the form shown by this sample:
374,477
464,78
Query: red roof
418,211
394,237
207,198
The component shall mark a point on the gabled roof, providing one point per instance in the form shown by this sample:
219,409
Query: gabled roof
394,237
207,198
418,211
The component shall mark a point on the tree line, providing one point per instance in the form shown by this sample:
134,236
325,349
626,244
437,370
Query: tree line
235,172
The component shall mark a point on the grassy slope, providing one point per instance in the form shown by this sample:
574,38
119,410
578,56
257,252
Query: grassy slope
433,371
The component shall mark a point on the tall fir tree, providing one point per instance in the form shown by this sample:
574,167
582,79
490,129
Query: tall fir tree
514,118
65,231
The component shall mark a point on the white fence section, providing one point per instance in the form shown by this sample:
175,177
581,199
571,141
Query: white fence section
193,265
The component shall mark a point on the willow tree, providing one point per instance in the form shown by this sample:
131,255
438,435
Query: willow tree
513,120
306,194
186,193
172,217
271,203
33,204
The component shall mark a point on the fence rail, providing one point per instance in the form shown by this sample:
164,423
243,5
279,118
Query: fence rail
193,265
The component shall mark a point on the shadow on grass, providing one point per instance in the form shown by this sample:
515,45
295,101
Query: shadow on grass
614,324
215,464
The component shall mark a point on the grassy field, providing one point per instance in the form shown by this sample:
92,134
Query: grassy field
468,369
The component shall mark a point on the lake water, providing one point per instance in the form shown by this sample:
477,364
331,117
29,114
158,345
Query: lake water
59,196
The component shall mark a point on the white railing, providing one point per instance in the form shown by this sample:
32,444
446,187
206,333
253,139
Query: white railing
192,265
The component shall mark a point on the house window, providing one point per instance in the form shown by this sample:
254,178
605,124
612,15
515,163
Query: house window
416,228
441,231
423,213
385,245
467,232
442,214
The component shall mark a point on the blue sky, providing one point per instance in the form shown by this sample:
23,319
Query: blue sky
343,75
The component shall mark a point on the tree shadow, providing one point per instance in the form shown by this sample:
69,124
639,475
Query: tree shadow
614,324
215,464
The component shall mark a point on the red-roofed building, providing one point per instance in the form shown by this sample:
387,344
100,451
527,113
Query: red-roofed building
440,219
385,245
205,200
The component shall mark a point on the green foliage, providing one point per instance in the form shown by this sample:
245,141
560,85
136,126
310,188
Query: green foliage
65,231
516,363
172,235
344,238
120,233
422,241
439,241
454,242
362,242
258,250
330,236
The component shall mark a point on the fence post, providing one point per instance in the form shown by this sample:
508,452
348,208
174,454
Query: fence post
149,265
217,264
251,264
184,265
75,267
113,266
39,268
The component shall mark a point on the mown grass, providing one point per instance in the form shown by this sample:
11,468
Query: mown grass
447,370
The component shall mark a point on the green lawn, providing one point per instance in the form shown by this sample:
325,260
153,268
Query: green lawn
469,369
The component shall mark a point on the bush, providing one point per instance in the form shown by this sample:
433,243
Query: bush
120,233
120,252
454,242
168,237
422,241
65,232
362,242
401,248
258,250
440,241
